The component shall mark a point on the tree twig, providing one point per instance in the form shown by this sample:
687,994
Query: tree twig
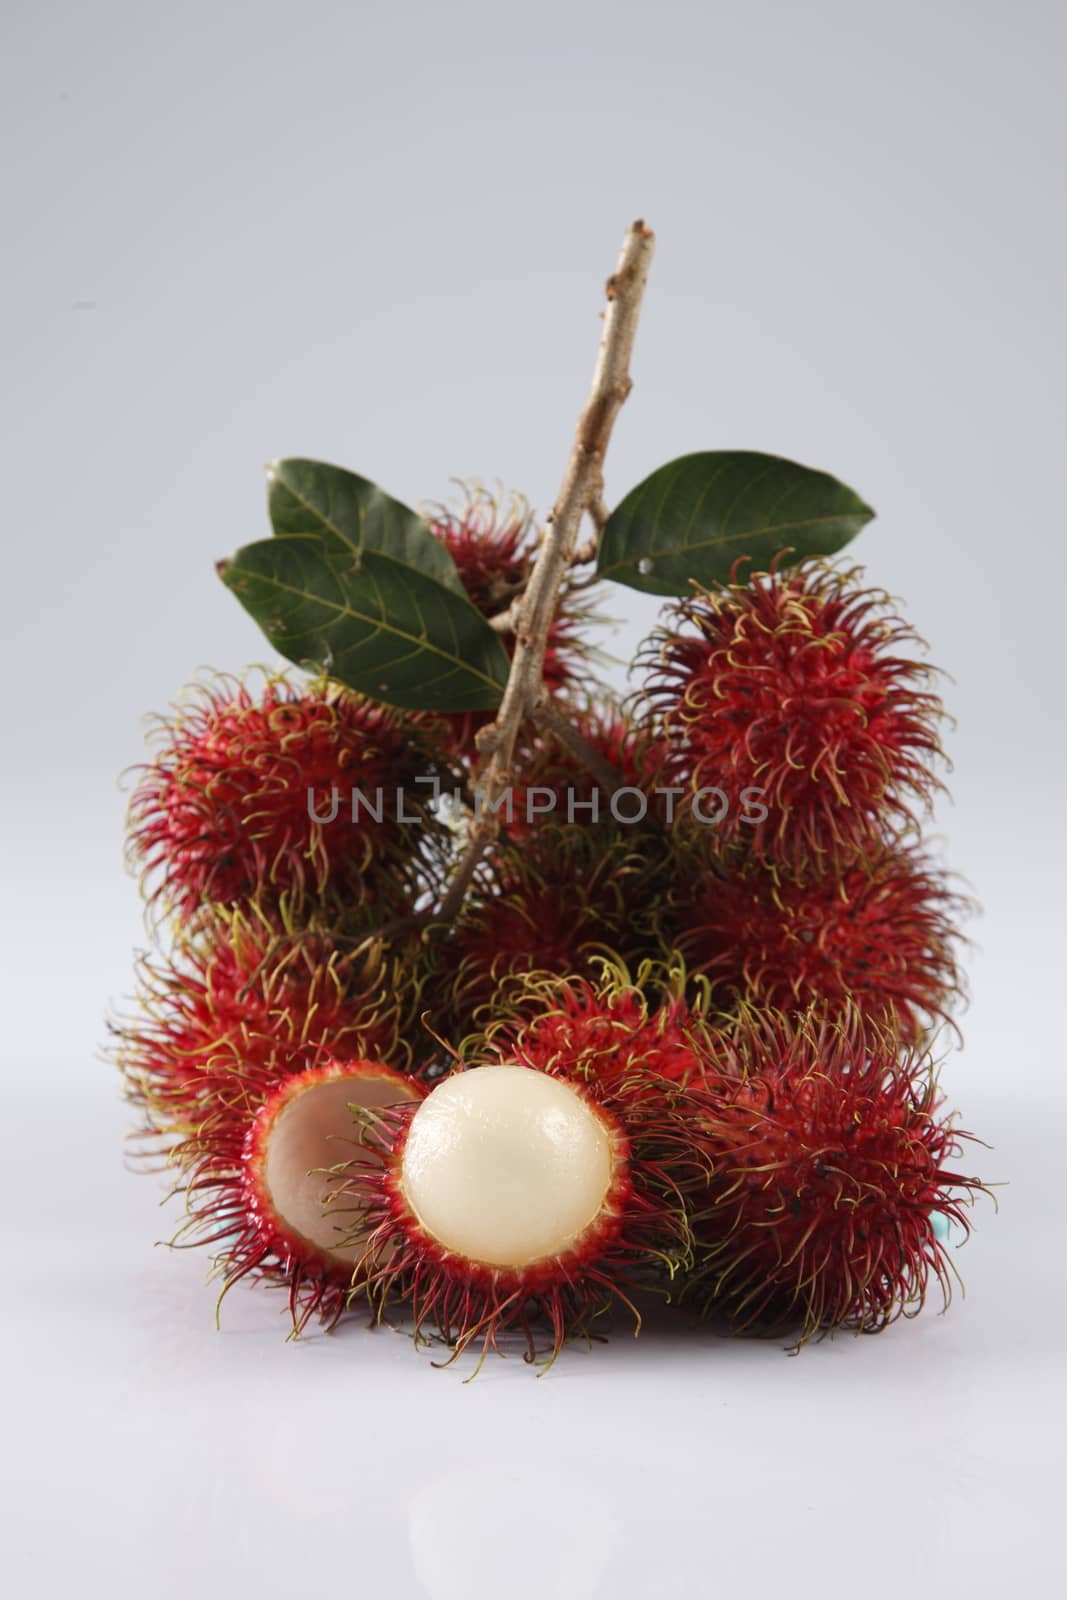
550,719
582,490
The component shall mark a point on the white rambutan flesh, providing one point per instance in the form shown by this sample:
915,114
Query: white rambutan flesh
507,1166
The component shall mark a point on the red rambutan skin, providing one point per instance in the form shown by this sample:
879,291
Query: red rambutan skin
805,686
880,934
494,545
222,815
830,1158
641,1230
605,1033
555,902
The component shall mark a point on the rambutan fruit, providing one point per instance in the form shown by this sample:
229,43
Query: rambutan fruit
294,792
832,1169
880,934
226,1029
612,1031
265,1191
554,902
511,1198
242,1006
798,695
494,545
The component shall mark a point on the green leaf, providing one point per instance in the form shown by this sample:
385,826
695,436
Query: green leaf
352,513
694,517
371,621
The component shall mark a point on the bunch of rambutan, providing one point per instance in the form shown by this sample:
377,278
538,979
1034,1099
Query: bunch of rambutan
677,1039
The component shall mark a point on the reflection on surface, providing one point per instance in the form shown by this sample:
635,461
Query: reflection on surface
505,1531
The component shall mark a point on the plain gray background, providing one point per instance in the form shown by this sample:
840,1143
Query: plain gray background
378,235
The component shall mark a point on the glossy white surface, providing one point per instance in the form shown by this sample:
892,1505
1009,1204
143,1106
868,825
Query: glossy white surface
505,1165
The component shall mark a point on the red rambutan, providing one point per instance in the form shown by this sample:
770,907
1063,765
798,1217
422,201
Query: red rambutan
800,694
242,1006
880,934
554,902
831,1159
300,791
510,1198
608,1032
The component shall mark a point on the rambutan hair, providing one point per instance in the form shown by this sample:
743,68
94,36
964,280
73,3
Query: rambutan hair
286,794
243,1004
612,1030
801,694
554,903
831,1158
638,1238
880,934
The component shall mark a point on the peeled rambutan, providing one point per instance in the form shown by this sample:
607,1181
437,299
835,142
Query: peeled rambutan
298,791
494,544
554,902
880,934
801,695
832,1168
511,1198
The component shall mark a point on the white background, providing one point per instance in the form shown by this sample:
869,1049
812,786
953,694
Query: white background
377,235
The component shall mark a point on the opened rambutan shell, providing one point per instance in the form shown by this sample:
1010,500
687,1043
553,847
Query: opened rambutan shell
225,1032
880,934
514,1200
294,793
831,1160
801,695
270,1209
